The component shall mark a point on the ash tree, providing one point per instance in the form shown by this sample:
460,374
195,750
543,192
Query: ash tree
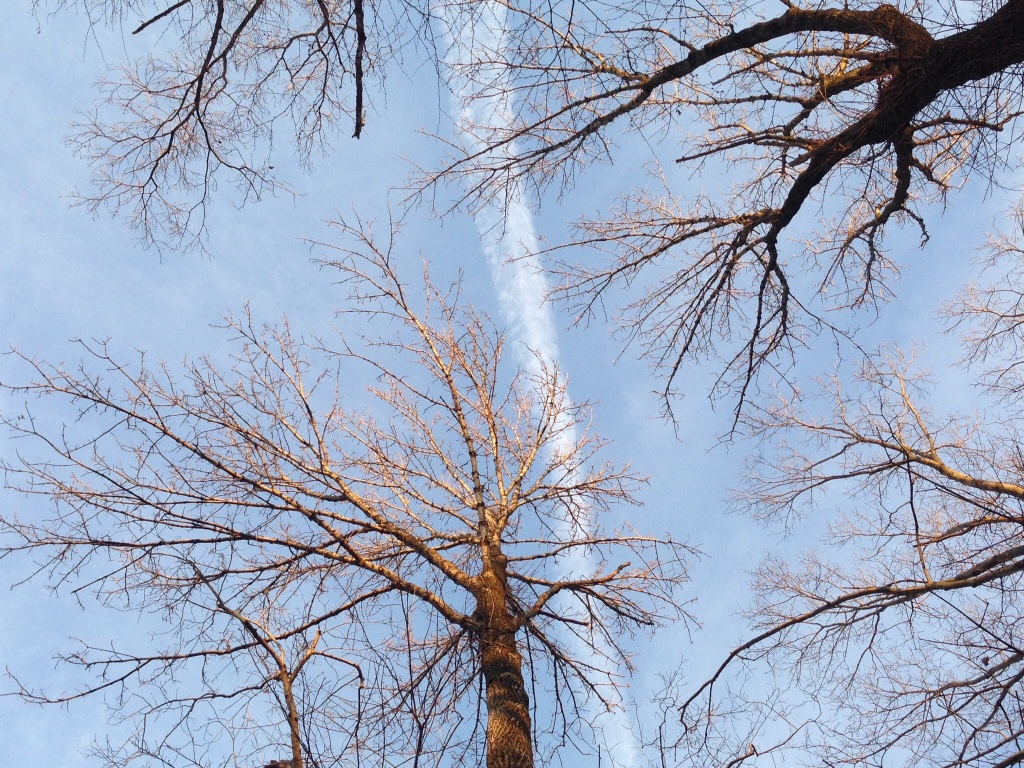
825,123
815,130
836,122
423,579
215,85
900,639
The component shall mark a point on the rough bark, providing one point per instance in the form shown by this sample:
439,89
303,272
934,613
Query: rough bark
508,705
509,731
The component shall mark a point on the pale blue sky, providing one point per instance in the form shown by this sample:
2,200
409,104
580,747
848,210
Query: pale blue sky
64,274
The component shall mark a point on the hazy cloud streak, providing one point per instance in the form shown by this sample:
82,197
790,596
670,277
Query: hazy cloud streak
510,243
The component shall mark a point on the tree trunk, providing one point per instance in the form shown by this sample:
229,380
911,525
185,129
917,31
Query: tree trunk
293,720
509,732
509,743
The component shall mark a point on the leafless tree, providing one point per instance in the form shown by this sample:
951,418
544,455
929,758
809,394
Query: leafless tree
419,575
854,113
217,83
900,641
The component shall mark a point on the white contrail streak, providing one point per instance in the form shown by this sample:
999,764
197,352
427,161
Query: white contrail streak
510,242
506,227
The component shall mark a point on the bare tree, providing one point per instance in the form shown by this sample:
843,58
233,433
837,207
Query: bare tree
856,113
868,109
421,578
218,81
862,111
901,641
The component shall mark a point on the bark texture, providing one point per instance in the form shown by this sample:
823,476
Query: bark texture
508,705
509,731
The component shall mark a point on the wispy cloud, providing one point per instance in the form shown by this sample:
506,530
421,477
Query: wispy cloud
509,241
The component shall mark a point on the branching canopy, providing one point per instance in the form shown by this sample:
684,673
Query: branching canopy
899,641
355,565
859,112
220,81
856,114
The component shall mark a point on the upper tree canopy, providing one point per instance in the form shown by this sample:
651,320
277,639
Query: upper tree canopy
207,108
421,580
859,109
867,110
835,120
899,638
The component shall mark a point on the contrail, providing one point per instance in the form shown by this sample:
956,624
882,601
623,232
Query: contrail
509,241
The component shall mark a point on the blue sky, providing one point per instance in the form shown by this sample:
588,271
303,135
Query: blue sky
65,274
